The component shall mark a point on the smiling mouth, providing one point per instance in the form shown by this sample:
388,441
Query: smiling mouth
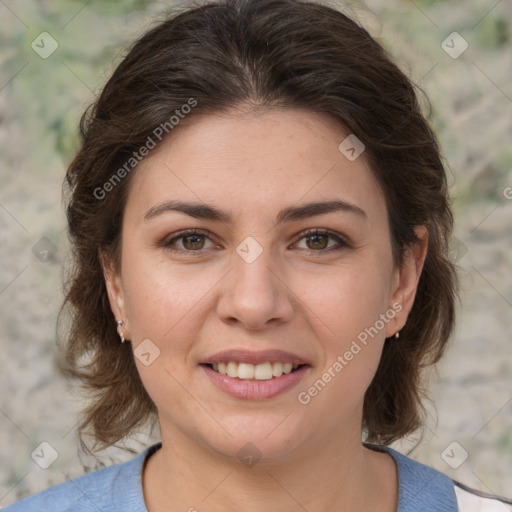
247,371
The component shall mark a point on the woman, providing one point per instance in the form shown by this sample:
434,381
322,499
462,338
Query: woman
260,222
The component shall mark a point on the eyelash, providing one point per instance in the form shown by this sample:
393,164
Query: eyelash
305,234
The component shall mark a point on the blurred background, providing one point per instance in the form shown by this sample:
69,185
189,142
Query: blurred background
54,58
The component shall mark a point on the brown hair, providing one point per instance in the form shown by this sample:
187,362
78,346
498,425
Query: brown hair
264,53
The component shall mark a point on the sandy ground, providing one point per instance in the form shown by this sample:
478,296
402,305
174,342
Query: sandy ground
40,102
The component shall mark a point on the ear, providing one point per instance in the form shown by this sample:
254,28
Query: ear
115,292
406,278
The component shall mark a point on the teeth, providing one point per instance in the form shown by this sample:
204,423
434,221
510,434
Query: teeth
232,369
264,371
245,371
277,369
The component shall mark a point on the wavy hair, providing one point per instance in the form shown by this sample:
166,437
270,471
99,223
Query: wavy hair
265,54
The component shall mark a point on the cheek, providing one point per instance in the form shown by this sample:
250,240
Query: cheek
349,299
158,305
165,303
351,346
351,315
168,308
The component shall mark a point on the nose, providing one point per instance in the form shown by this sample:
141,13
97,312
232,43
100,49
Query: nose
255,293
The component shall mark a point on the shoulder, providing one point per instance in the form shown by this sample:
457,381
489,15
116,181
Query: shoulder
423,489
117,487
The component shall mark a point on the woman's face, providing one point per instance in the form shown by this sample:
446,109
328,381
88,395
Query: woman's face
252,284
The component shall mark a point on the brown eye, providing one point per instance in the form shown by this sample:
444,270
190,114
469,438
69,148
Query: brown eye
188,241
317,241
193,242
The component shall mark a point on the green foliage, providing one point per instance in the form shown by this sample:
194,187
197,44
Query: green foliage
428,3
493,32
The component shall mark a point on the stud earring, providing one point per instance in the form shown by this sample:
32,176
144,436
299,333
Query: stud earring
119,330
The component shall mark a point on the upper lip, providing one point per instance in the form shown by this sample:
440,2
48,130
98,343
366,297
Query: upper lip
254,357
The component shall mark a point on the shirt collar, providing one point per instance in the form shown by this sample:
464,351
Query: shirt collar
420,487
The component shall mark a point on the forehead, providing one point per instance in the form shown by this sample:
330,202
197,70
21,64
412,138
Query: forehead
255,163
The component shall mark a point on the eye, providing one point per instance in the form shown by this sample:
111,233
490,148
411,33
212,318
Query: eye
317,241
191,240
194,240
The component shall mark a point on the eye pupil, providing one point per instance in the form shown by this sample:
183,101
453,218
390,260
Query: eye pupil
316,237
193,245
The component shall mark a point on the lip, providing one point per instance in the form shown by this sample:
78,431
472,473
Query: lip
254,357
255,389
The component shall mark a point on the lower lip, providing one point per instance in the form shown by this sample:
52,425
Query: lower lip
255,389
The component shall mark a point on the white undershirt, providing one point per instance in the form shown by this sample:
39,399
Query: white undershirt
468,502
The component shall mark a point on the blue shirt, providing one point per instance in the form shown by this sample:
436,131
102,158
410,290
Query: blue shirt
119,488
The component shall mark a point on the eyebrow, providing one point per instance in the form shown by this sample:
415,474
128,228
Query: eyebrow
291,213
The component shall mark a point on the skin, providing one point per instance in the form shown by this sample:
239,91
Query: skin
196,303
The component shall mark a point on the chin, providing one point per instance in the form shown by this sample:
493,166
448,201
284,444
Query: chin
257,437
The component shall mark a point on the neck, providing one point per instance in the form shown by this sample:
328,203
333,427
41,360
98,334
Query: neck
341,475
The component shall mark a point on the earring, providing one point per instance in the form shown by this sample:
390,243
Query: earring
120,332
397,333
